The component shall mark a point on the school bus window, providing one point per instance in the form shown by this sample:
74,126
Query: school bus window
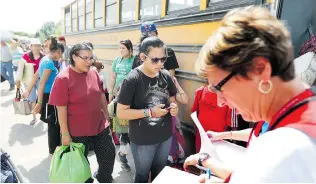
111,12
150,8
214,1
81,14
128,10
89,24
98,13
74,17
182,4
68,20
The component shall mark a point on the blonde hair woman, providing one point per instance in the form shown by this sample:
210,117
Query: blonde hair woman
248,63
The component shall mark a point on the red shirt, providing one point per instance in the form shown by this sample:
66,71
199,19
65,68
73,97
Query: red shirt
81,93
211,116
36,62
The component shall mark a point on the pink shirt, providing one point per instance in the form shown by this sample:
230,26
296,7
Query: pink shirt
81,93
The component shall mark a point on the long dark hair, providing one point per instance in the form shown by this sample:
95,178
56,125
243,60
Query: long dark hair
31,55
128,44
76,49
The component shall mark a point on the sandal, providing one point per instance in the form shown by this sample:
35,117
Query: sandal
33,122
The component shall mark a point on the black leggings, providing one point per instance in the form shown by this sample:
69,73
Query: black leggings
104,149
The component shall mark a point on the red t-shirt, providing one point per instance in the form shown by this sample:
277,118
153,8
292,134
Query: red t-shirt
81,93
211,116
36,62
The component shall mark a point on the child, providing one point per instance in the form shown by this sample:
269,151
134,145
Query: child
211,116
120,127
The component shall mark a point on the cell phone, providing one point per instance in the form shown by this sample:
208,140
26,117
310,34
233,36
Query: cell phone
195,170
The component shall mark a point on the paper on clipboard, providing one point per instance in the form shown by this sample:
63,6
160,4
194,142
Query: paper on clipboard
206,144
223,151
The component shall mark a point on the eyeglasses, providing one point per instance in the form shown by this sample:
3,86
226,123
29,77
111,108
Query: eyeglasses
218,87
86,59
156,60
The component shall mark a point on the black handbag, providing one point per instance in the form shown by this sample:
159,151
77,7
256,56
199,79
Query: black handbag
48,112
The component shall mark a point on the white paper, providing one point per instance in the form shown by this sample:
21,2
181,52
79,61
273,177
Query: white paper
172,175
228,153
206,144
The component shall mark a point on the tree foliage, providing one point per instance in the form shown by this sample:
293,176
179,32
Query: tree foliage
49,29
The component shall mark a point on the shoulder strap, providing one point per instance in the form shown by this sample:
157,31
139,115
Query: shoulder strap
295,107
115,106
121,59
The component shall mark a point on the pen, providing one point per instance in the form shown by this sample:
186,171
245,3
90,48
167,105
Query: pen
209,174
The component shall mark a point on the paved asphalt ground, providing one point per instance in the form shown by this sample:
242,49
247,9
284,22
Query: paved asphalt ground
28,145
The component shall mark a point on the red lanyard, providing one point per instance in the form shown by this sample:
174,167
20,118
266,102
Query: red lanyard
306,94
256,130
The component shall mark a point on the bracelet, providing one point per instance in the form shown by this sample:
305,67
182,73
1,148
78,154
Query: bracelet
39,102
145,115
65,134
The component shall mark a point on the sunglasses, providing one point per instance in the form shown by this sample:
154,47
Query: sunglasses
156,60
218,87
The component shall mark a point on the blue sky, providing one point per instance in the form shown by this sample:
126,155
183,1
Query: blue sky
29,15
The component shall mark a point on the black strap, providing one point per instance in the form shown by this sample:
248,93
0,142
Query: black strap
121,59
115,106
18,94
295,107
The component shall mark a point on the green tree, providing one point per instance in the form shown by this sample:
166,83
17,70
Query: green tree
48,28
37,34
20,33
58,29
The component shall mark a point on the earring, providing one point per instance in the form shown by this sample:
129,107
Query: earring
260,87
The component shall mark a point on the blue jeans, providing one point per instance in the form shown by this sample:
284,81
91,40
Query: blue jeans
7,67
150,158
33,94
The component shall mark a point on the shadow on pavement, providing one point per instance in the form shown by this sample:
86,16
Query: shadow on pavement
6,92
7,103
25,133
37,174
125,177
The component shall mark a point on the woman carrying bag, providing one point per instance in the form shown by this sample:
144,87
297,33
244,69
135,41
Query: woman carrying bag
82,109
47,73
27,67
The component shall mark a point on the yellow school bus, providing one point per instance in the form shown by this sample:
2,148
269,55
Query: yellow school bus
184,25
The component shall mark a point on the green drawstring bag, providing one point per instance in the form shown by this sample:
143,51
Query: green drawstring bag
69,165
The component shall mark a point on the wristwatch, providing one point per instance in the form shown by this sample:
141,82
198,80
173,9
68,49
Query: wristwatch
202,157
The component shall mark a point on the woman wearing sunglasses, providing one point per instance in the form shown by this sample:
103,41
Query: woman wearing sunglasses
121,66
249,65
147,99
82,110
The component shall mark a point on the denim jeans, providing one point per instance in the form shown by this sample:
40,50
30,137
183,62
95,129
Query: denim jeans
7,67
150,158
